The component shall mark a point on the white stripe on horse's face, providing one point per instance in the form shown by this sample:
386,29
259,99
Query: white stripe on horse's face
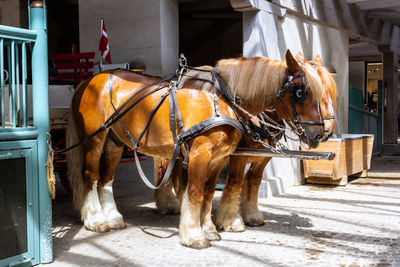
330,106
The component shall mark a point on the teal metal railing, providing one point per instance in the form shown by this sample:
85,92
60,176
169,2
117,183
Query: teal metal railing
13,75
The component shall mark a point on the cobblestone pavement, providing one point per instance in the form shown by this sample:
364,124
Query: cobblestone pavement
356,225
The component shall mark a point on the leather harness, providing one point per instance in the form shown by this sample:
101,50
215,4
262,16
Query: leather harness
182,136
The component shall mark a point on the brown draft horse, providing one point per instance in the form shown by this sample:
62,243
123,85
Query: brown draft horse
243,187
240,196
91,166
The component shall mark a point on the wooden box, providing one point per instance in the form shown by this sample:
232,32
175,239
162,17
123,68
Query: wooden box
353,157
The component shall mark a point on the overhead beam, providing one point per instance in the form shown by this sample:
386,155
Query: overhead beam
380,15
366,58
332,13
375,4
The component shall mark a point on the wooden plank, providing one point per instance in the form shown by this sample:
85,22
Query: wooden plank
320,173
325,180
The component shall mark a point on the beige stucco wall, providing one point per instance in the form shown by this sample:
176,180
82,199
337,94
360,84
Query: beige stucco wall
267,34
141,33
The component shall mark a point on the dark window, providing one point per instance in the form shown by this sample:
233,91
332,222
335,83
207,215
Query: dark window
13,221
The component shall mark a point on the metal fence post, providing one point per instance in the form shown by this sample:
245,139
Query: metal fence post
41,121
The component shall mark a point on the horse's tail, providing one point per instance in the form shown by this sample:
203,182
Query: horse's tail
75,162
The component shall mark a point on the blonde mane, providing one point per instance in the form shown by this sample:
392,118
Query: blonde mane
328,82
253,79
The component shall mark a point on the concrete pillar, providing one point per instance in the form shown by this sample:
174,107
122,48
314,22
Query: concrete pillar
257,40
169,35
390,95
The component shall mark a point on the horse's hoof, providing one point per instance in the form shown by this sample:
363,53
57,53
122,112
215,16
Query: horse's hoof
256,220
100,228
255,223
117,224
171,210
213,236
233,224
237,226
197,244
171,207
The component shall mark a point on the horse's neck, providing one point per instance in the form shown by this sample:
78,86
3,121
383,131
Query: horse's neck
256,81
253,109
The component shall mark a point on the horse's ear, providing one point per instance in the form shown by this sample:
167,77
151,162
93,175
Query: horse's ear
300,57
291,63
317,59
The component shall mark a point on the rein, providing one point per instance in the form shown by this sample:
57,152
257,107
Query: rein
115,116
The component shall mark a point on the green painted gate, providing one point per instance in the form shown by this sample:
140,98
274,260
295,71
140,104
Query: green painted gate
362,121
25,203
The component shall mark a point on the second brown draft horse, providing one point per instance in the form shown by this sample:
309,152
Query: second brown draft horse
256,82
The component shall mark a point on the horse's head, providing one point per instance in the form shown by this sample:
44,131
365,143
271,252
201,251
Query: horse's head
328,115
328,100
301,94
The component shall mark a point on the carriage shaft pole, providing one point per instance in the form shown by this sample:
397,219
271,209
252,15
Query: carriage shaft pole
260,152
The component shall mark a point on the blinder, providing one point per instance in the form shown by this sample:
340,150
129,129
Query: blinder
299,93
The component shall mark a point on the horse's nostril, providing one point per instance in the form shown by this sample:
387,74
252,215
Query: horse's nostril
318,137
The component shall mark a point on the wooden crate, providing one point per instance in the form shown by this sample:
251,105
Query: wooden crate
353,157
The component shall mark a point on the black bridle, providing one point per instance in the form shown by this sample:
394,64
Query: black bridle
297,93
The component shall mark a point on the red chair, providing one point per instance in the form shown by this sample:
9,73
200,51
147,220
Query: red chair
74,67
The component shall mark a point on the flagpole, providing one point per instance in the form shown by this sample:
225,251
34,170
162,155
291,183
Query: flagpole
101,56
101,63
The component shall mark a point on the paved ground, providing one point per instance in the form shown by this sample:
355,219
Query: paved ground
356,225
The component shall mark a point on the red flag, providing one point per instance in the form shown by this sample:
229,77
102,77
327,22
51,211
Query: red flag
104,47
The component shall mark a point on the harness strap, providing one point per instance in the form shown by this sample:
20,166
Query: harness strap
109,121
127,133
172,119
216,105
262,132
152,113
175,117
229,100
167,172
136,144
133,96
208,124
328,117
116,115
